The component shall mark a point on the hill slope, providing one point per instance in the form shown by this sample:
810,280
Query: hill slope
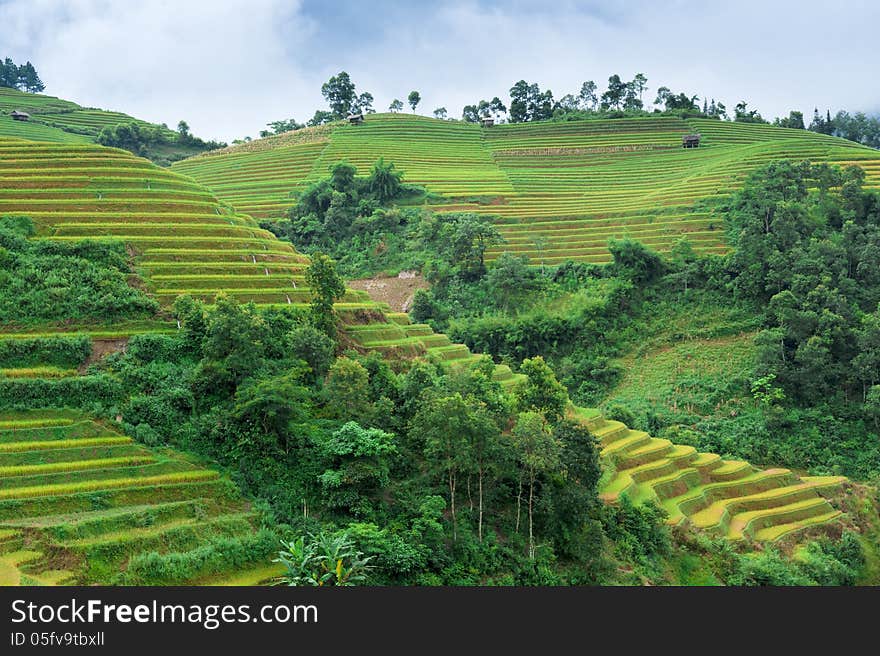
560,190
79,500
57,120
184,240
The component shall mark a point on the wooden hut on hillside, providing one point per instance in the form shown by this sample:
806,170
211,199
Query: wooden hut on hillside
19,116
356,119
487,121
690,141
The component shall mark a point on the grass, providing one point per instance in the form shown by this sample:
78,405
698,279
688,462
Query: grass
702,376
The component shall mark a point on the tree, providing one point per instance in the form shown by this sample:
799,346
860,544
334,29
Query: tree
631,100
496,107
440,113
339,92
266,410
414,98
385,180
529,103
685,262
283,126
633,260
235,338
663,94
540,392
395,106
326,287
348,391
587,95
320,118
793,120
568,103
466,237
444,425
742,114
574,493
510,279
614,95
364,104
640,83
359,467
312,346
470,114
519,102
25,76
538,452
8,74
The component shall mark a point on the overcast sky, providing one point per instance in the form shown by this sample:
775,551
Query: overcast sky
230,66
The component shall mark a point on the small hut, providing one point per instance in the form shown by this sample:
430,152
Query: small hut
356,119
19,116
487,121
690,141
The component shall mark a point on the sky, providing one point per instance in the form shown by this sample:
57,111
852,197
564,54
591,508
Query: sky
230,66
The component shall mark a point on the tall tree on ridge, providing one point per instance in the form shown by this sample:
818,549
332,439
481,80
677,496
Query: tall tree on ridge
640,83
414,98
587,95
339,91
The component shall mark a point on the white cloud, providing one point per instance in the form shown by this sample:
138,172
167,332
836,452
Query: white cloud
229,66
222,66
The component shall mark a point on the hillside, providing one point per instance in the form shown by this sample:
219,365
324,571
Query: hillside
560,190
56,120
61,121
79,500
81,482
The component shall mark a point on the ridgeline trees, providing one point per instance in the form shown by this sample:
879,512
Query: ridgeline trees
794,120
23,77
342,98
339,92
277,127
742,114
155,142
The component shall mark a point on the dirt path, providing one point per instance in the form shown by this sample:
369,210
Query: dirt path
397,291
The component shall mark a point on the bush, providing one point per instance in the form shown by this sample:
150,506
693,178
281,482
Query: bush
66,352
79,392
43,281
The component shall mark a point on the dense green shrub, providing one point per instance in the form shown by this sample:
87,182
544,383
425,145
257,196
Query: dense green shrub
66,351
76,392
44,281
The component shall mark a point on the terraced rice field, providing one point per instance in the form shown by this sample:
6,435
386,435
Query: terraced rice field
184,241
559,190
78,500
727,497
